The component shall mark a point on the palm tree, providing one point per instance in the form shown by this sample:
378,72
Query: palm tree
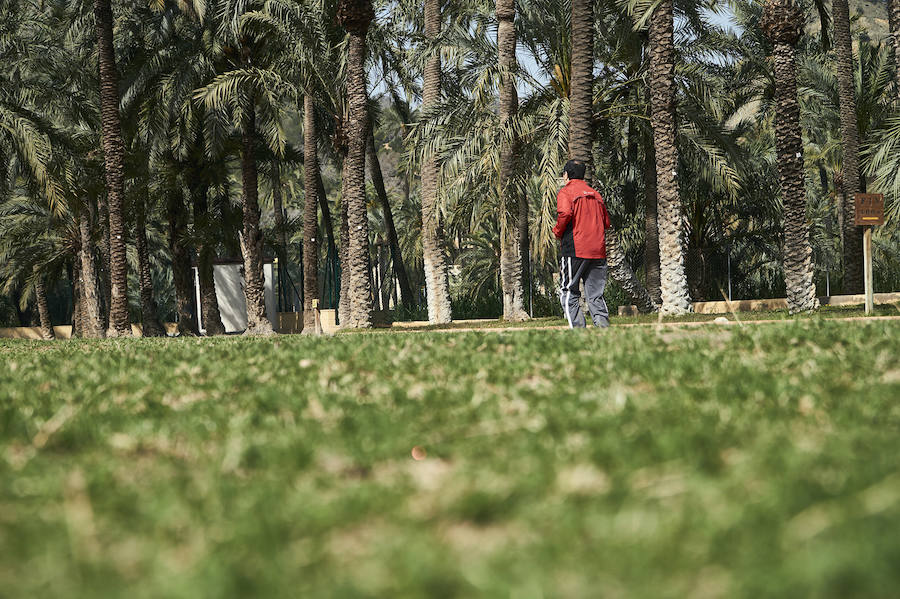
514,221
40,298
158,111
36,246
179,250
36,236
91,317
299,36
651,227
206,232
253,94
279,231
437,287
355,16
328,225
581,113
41,100
251,235
782,21
581,138
150,324
114,154
894,23
341,144
673,284
303,40
310,215
406,295
190,55
851,234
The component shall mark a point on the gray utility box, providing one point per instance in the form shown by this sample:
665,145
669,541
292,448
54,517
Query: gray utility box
229,278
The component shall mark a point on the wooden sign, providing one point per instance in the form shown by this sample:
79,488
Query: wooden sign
869,212
869,209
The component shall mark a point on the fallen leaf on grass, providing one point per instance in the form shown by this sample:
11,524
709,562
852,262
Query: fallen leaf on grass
473,541
891,376
583,479
659,482
52,425
818,518
80,516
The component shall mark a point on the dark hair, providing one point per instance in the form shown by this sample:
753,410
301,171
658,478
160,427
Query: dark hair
574,169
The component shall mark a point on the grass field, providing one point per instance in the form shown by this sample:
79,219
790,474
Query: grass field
825,312
755,461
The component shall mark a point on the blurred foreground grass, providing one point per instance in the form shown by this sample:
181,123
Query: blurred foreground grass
756,461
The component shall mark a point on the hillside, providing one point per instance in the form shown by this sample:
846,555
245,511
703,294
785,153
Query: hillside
873,17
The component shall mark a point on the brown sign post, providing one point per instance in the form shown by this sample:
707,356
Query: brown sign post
869,209
869,212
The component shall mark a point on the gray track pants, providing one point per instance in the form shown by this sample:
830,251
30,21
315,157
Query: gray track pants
572,271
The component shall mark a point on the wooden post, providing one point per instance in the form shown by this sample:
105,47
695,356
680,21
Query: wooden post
867,269
869,212
315,307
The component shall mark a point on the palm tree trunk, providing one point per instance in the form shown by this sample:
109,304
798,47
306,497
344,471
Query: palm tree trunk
114,154
344,301
77,301
387,280
327,222
278,213
150,325
651,230
782,22
524,241
356,21
524,230
40,296
205,233
673,284
581,139
311,178
894,25
512,274
581,113
281,245
621,273
630,185
851,235
92,323
798,271
406,293
695,268
16,297
251,238
232,215
437,284
181,260
373,285
101,217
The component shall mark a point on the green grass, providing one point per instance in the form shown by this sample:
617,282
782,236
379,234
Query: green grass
825,312
756,461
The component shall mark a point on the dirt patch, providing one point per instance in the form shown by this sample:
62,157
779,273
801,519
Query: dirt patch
470,539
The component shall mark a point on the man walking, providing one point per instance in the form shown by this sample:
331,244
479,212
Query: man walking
581,224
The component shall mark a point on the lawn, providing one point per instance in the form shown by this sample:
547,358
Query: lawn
825,312
754,461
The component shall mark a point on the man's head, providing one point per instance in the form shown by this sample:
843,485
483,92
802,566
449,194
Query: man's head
574,169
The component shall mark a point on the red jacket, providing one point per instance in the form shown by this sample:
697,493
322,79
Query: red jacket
581,221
